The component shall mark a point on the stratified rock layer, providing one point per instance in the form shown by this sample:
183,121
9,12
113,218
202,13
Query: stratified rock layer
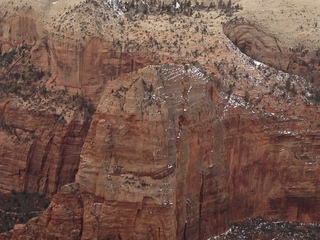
273,167
266,48
39,152
143,154
165,159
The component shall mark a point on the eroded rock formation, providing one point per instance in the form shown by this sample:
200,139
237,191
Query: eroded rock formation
163,159
265,47
146,143
39,152
77,66
167,154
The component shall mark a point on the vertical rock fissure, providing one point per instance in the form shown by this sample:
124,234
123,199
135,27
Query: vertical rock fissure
28,163
120,62
135,219
43,161
185,232
82,215
61,162
76,133
200,205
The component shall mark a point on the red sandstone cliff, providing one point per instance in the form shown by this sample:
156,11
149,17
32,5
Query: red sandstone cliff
38,152
163,159
167,154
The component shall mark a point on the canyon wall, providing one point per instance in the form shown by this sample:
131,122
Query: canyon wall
79,66
39,152
85,67
273,167
166,159
42,131
164,156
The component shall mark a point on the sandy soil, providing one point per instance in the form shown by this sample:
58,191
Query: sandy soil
293,21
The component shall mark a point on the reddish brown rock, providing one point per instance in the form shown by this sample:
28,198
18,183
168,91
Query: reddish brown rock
142,156
165,158
20,29
61,220
38,153
84,68
272,169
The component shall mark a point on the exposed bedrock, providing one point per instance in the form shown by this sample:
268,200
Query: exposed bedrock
164,160
161,158
80,67
143,154
266,48
39,152
84,67
273,167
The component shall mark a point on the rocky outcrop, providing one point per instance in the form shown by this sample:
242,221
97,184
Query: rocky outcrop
142,162
143,157
61,220
39,152
89,67
273,165
79,66
19,29
266,48
165,158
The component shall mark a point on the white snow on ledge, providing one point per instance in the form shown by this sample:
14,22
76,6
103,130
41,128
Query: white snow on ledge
223,234
257,63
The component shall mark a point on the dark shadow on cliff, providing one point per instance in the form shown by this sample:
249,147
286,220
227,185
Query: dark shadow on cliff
20,207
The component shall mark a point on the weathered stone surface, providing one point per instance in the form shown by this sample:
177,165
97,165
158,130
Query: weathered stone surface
87,67
79,66
143,151
20,29
61,220
38,152
272,169
265,47
164,159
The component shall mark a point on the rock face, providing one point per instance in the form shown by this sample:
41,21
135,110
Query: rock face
266,48
166,155
86,67
143,155
143,173
164,159
39,153
272,167
42,130
61,220
19,29
77,66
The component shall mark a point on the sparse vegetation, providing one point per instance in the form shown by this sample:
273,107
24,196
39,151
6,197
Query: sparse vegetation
148,34
27,83
19,207
246,96
258,228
